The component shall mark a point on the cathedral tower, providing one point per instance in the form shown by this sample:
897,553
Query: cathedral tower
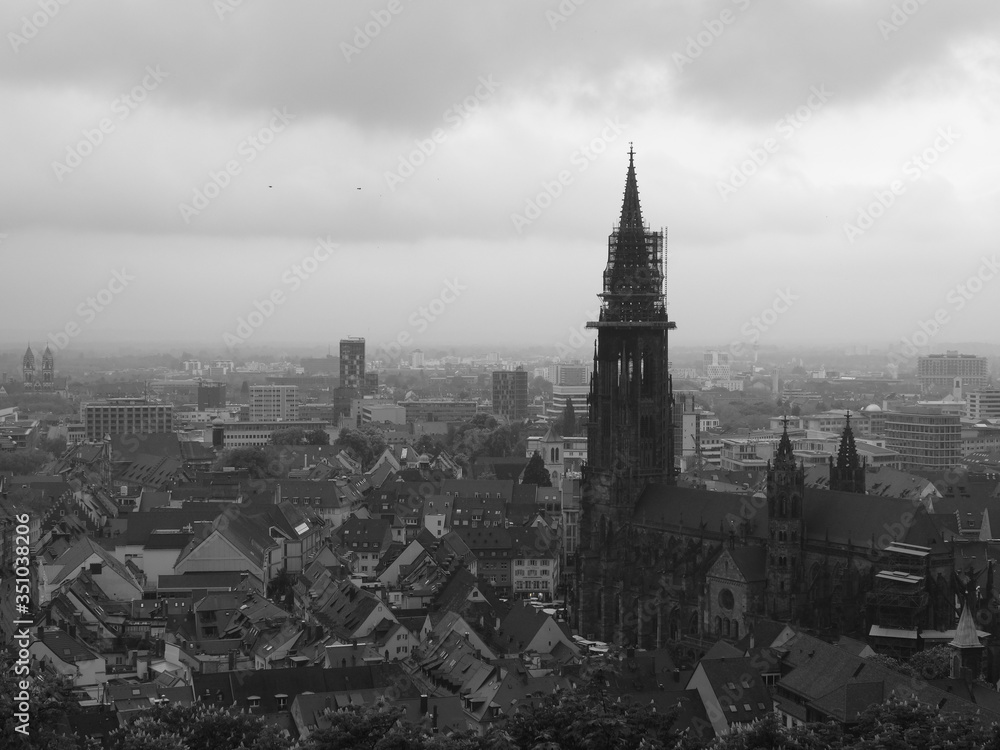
630,429
848,473
48,368
785,493
28,369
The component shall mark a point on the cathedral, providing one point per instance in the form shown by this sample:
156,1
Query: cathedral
31,377
661,563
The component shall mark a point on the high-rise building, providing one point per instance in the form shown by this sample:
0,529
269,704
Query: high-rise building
924,438
570,374
271,403
211,395
135,416
510,393
937,373
352,362
417,359
983,404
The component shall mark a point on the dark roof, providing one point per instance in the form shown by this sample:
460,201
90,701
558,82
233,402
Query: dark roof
235,688
521,624
837,516
739,688
128,446
141,525
65,646
818,671
504,467
228,580
168,540
751,561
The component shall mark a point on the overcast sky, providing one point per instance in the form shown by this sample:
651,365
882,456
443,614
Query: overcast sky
468,159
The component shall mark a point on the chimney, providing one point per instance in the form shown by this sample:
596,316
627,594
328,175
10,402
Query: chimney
423,704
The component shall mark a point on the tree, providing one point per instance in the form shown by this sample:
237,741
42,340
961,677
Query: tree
932,663
363,728
56,446
253,459
539,386
427,444
318,436
899,724
535,472
245,389
484,420
50,697
198,727
282,587
291,436
366,444
23,461
588,719
569,419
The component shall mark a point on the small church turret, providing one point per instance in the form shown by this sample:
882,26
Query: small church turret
848,473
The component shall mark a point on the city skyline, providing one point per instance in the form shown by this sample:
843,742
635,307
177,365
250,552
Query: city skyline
353,198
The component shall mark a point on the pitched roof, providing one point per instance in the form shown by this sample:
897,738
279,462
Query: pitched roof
141,526
73,558
520,626
236,688
128,446
65,646
815,669
751,562
739,689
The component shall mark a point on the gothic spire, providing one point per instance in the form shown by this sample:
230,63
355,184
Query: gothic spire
847,454
631,219
785,453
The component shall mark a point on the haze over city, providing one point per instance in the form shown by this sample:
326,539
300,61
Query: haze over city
484,147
